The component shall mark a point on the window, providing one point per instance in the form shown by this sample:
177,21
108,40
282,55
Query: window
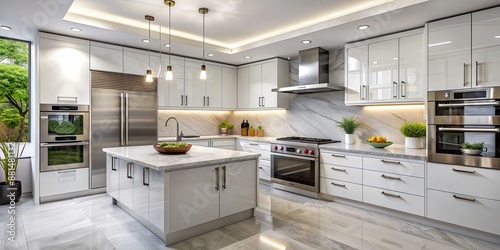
14,90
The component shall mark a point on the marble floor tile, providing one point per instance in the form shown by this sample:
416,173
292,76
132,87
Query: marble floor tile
209,241
268,240
81,238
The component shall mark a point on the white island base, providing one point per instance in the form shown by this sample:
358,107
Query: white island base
177,197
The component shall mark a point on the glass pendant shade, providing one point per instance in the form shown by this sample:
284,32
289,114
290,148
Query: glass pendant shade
169,76
203,72
149,76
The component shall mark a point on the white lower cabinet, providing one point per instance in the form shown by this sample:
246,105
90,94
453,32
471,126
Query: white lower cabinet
140,190
342,173
408,203
126,182
264,149
468,211
342,189
112,177
229,144
265,170
211,192
389,181
64,181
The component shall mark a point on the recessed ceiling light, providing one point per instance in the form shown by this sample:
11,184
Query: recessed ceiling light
210,54
5,27
76,29
441,43
145,40
363,27
168,45
375,62
306,41
497,36
248,57
394,58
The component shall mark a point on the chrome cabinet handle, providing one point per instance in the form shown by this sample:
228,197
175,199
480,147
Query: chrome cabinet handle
48,145
261,168
338,185
465,74
464,171
263,101
67,171
392,195
339,169
204,101
145,175
477,66
403,87
260,101
340,156
217,179
186,100
363,96
122,120
464,198
208,100
391,177
61,98
392,162
253,144
130,169
113,163
182,100
224,181
395,87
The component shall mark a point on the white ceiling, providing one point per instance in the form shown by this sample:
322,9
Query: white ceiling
234,28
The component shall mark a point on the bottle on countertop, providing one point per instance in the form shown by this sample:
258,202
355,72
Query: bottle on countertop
244,128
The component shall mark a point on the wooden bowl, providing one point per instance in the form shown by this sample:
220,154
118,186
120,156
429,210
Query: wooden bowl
172,150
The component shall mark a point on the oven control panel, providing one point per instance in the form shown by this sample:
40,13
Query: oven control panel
310,151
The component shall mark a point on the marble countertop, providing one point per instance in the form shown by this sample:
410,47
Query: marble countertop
208,137
196,157
394,150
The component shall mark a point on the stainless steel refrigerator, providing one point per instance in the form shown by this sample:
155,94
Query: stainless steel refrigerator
123,113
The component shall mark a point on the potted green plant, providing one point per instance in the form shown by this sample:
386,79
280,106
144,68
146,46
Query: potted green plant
225,127
260,131
414,133
475,148
349,125
9,159
251,131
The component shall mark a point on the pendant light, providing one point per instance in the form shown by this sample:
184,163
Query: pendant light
149,73
203,73
169,76
160,71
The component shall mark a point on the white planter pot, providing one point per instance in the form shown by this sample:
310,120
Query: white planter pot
411,142
349,138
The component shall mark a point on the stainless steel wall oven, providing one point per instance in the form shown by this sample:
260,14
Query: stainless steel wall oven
464,116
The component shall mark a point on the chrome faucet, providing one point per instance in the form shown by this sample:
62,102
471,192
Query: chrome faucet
177,135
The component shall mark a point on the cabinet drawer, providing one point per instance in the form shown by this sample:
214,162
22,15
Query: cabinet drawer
395,166
341,189
400,183
256,145
478,182
265,170
481,214
341,173
394,200
64,181
203,143
341,159
223,143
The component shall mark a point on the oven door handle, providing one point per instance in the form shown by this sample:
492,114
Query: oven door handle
296,157
497,103
495,130
46,145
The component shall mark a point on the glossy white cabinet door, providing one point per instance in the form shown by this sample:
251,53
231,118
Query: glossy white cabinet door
411,64
229,88
486,48
137,62
106,57
157,199
64,181
194,87
238,187
213,86
198,202
64,71
244,87
450,44
255,82
126,173
383,70
269,81
176,97
356,85
140,192
112,177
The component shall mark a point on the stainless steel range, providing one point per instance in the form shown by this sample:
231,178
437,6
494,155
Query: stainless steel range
295,164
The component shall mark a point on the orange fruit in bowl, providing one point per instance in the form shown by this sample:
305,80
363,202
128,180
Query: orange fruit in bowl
379,139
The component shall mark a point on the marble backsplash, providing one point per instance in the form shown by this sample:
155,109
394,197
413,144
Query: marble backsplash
313,115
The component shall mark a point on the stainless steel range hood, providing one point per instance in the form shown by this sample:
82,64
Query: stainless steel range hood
313,74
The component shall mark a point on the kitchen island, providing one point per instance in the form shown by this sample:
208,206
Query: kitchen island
180,196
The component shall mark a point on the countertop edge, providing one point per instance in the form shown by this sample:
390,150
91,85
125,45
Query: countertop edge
375,152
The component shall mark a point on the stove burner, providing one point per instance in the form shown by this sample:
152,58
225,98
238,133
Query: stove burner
307,140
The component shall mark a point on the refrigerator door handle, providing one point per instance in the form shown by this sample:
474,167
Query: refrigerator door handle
122,143
126,118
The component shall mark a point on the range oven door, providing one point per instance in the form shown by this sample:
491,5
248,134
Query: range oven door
60,156
295,171
64,126
445,140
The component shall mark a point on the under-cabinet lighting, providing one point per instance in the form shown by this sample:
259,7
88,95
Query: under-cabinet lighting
375,62
5,27
145,40
441,43
76,29
248,57
394,58
363,27
210,54
168,45
306,41
497,36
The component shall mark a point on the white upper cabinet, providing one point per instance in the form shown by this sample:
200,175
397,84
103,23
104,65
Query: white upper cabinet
203,93
229,88
137,62
386,70
64,70
106,57
255,82
464,51
172,91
